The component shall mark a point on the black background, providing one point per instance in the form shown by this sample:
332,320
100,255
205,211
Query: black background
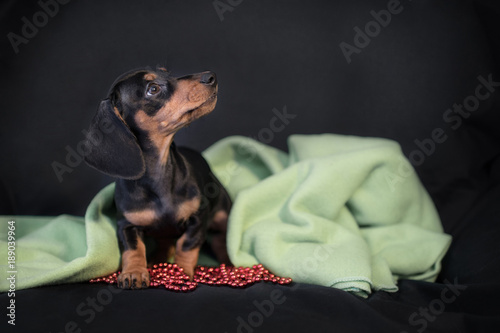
272,54
267,54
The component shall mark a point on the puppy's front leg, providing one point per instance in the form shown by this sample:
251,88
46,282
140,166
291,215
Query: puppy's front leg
134,274
187,259
187,248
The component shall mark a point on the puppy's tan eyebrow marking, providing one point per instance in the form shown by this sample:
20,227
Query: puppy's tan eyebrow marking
150,77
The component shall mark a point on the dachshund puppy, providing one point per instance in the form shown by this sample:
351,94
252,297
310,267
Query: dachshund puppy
163,192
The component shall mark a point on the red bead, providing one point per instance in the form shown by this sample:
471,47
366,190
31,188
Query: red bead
172,277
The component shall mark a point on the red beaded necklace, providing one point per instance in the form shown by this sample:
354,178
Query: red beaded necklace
172,277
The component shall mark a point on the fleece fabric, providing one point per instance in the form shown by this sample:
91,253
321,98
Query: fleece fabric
338,211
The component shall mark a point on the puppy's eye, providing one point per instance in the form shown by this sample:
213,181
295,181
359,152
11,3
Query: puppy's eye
153,89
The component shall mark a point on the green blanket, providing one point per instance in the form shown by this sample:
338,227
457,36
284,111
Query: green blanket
62,249
337,211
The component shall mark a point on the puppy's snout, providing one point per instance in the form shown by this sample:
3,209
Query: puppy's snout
208,78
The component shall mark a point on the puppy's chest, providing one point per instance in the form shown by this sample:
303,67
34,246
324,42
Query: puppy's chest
160,209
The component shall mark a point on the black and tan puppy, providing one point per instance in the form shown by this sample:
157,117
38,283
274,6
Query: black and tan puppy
162,191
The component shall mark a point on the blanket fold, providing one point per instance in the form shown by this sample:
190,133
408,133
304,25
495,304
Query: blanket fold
62,249
338,211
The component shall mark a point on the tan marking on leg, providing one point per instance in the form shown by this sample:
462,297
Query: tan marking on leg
141,217
187,208
186,259
134,274
219,221
171,251
219,245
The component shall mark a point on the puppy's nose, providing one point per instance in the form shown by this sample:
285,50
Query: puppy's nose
208,78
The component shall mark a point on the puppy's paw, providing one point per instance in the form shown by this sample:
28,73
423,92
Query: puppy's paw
189,271
137,278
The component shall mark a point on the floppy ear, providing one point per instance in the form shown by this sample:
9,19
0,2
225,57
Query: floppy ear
115,150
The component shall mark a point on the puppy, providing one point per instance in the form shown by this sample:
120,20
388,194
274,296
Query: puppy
164,192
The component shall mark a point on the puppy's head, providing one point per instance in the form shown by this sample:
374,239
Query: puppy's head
144,97
143,111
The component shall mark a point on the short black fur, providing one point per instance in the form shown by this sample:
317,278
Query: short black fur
162,191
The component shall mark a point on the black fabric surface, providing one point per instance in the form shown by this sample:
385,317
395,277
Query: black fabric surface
417,80
298,308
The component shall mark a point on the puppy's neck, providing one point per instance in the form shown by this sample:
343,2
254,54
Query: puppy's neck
155,141
164,149
158,159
